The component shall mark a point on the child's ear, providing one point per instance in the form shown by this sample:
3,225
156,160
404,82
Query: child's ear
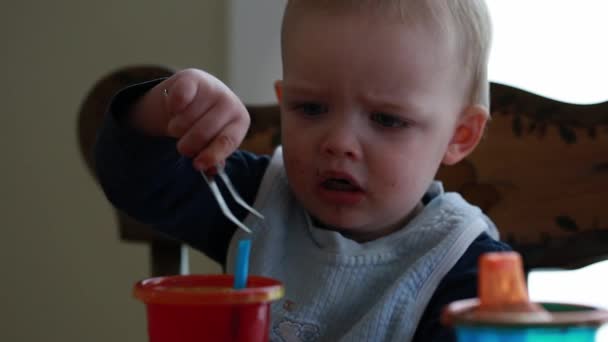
468,132
278,89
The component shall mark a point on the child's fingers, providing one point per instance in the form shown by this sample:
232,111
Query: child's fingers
211,123
213,170
200,134
200,105
221,147
207,118
179,93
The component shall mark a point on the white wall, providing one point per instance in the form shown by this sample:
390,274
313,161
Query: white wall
65,275
552,47
254,56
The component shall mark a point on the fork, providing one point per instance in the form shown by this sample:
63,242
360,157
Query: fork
222,203
218,195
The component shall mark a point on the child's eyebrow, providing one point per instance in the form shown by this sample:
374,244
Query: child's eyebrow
392,103
302,88
389,103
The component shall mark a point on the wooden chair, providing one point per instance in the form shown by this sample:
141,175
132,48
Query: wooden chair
541,172
165,254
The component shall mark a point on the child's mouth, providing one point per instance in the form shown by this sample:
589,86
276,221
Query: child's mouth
340,191
339,184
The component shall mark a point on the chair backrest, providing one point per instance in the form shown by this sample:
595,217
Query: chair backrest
165,254
540,173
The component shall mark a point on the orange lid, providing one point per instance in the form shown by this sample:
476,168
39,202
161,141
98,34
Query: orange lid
206,289
501,282
503,300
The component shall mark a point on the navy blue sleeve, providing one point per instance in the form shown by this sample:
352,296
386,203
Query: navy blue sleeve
147,179
459,283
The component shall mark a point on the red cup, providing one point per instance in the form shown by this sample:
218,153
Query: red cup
198,308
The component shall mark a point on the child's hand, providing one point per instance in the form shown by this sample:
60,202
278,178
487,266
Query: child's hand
206,117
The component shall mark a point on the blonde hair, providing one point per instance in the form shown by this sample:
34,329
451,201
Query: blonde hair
466,21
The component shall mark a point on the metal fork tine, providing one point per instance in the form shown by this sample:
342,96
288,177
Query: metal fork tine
236,195
220,200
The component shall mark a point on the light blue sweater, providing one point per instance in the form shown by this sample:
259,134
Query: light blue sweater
341,290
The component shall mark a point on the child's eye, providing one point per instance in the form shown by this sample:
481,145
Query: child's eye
388,120
310,108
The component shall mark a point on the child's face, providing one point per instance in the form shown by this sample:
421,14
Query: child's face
369,107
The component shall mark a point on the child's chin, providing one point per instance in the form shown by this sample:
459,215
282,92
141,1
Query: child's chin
339,224
325,222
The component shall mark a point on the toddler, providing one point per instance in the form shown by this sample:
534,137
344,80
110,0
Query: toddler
374,97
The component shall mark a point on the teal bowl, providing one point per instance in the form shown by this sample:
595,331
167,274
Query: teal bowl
562,322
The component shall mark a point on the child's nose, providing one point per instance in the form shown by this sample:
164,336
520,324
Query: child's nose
341,141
